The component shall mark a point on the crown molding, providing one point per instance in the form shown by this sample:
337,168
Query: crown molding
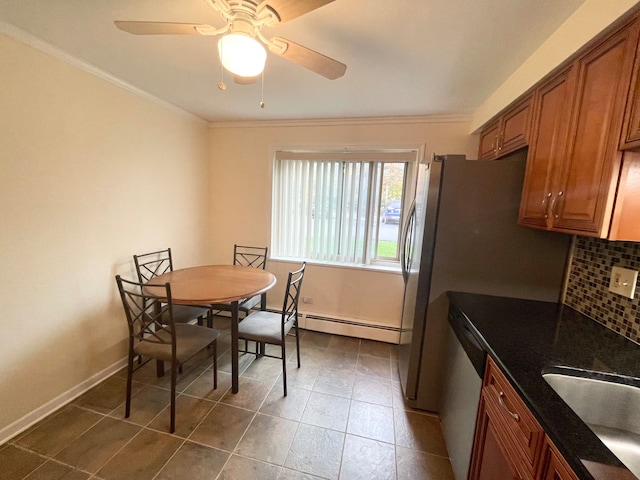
53,51
331,122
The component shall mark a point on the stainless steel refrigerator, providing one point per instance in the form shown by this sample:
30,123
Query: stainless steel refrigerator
462,235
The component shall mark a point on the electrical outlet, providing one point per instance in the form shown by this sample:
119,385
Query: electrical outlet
623,281
307,300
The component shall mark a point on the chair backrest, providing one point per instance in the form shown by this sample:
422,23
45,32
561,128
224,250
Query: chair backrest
250,256
149,265
290,306
147,315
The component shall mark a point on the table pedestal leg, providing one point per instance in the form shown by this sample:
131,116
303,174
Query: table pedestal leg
234,347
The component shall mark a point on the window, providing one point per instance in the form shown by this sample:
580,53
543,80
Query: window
340,207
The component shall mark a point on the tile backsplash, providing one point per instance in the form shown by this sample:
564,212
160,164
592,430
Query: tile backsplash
588,281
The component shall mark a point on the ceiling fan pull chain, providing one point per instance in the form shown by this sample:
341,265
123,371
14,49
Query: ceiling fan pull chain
262,94
221,84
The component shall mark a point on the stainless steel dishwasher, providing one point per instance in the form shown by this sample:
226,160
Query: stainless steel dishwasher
463,382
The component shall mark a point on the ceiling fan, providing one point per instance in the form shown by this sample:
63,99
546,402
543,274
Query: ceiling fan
245,20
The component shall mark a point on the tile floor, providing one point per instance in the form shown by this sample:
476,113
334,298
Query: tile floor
343,418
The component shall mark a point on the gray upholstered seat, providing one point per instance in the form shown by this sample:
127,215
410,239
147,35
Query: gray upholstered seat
272,328
263,327
190,339
153,333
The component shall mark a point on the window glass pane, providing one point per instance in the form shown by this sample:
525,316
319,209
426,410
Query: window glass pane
391,194
336,211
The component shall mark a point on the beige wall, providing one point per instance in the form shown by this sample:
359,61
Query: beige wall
241,170
592,17
90,173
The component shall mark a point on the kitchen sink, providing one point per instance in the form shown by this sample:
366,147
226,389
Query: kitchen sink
608,404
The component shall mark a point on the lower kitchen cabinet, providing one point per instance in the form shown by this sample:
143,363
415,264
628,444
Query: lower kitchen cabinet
508,438
493,456
509,443
553,466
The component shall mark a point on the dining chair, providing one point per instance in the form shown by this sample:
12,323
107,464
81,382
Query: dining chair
249,257
272,328
152,264
153,333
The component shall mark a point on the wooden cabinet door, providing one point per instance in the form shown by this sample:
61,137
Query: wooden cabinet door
553,466
489,142
491,458
630,137
507,134
586,188
514,128
631,129
550,123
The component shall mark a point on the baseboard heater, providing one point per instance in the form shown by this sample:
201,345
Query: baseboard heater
343,326
352,322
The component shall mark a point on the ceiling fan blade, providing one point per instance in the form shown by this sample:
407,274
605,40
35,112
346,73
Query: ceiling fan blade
245,80
165,28
290,9
310,59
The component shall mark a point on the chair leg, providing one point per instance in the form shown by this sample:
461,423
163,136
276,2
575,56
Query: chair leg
160,368
284,368
172,422
210,319
215,364
297,342
127,409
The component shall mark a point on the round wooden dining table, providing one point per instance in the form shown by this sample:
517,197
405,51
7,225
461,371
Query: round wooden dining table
215,284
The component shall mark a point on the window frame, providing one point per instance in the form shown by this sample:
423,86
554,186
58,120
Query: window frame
411,156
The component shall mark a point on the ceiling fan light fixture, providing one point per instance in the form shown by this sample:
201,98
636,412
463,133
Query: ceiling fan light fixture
242,54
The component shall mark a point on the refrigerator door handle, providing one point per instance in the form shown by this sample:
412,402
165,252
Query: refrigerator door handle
407,233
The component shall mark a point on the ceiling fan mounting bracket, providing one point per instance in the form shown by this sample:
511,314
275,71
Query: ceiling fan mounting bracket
232,10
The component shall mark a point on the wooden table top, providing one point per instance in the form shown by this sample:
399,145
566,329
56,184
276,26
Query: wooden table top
209,284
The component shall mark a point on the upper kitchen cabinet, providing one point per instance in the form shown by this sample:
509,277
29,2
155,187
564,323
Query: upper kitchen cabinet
591,163
549,130
510,132
630,138
576,175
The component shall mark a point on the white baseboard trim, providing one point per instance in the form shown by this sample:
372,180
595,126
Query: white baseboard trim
60,401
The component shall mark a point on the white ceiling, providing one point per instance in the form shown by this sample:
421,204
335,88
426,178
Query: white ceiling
403,57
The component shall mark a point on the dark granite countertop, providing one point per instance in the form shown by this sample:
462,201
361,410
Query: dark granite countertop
527,338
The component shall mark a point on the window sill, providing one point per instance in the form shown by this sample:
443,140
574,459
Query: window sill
378,267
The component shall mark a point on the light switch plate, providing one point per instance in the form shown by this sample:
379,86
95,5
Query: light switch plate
623,281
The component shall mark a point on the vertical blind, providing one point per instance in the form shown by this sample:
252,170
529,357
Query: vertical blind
324,204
